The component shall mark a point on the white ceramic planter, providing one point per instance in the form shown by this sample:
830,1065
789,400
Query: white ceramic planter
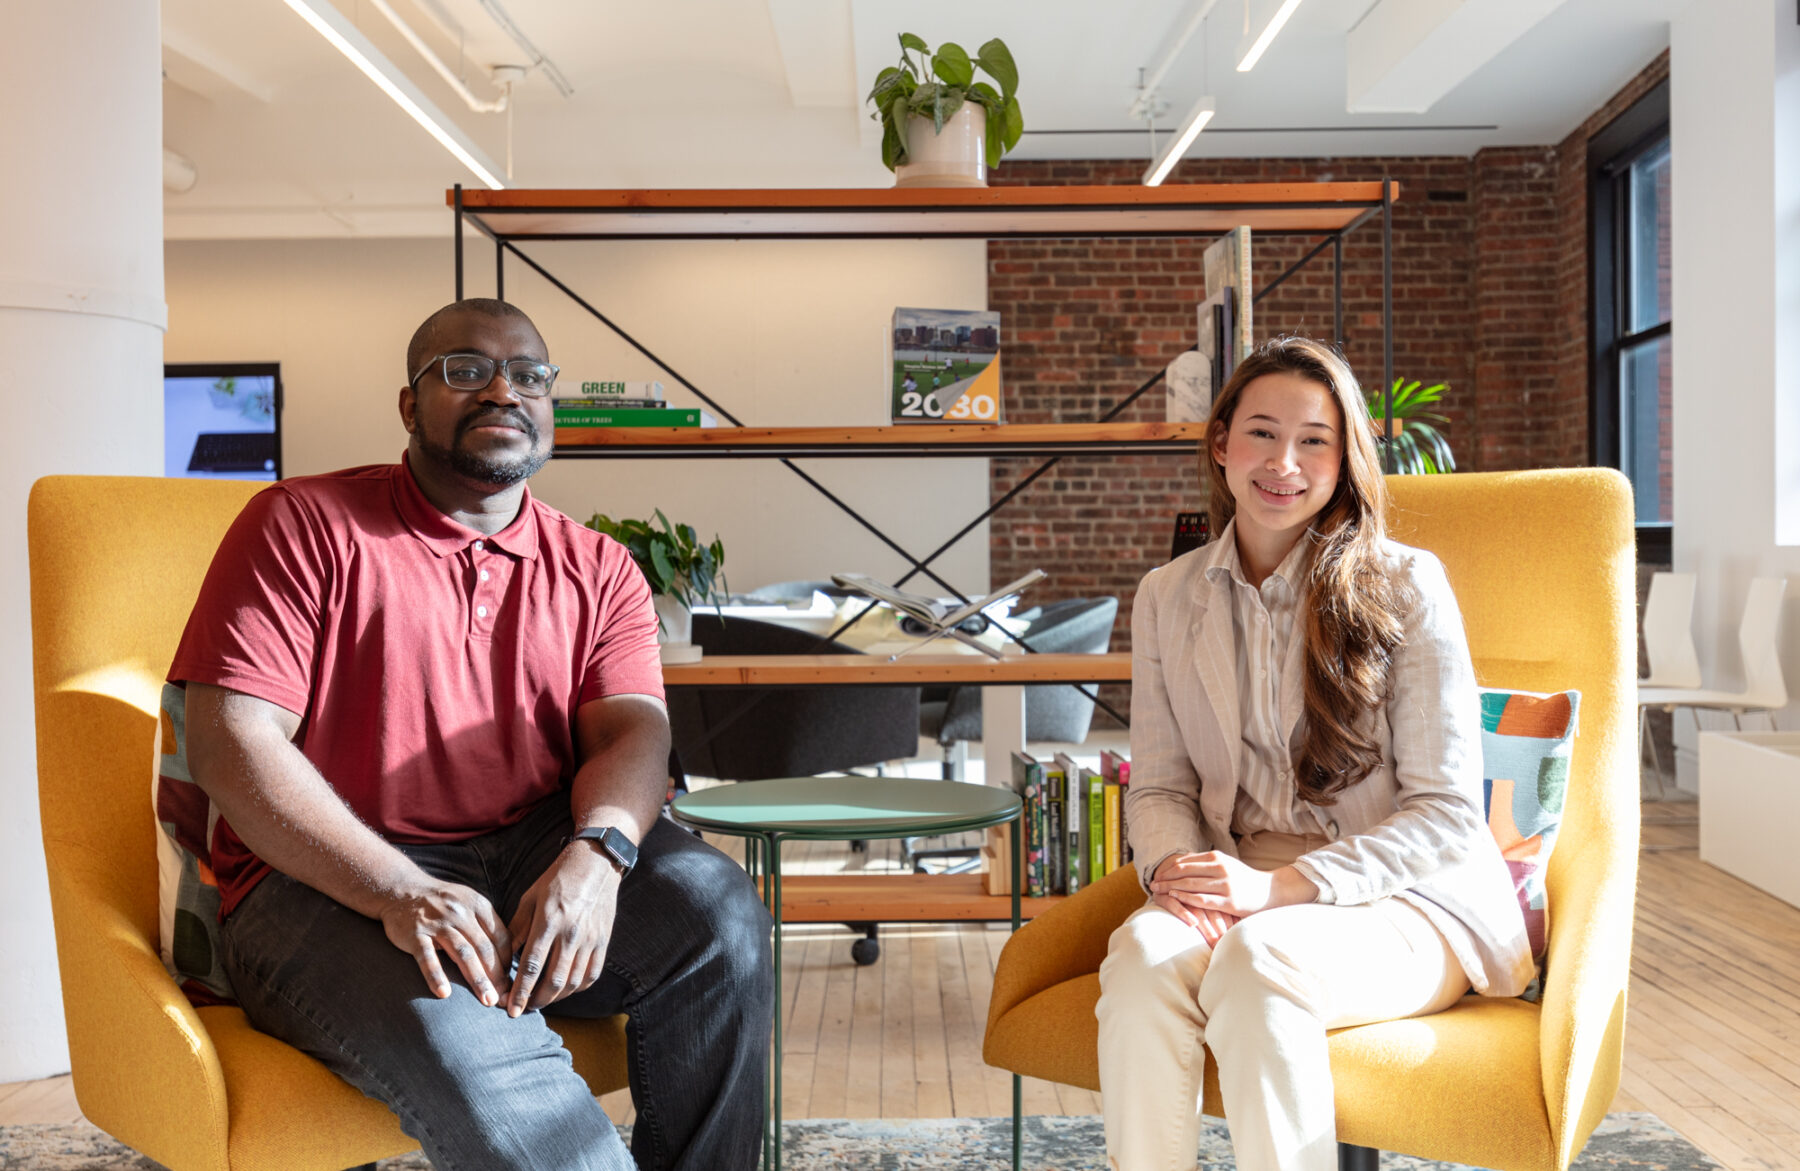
675,634
955,158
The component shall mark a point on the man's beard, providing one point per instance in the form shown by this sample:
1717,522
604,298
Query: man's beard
500,471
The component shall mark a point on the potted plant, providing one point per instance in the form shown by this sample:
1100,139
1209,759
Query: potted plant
1418,447
681,571
931,135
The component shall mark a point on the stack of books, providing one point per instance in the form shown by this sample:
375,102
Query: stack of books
1074,830
626,404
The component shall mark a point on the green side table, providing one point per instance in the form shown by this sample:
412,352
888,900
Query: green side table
832,809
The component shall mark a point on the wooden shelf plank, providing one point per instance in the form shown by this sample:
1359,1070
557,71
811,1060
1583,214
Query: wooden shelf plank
870,670
898,898
984,212
940,439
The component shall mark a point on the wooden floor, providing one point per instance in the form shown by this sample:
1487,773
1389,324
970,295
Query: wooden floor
1713,1046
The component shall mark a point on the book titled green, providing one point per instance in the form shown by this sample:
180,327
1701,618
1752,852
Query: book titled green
630,417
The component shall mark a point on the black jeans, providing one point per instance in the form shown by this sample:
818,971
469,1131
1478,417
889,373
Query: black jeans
688,961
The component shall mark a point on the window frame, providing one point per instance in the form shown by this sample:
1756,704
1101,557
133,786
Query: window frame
1610,153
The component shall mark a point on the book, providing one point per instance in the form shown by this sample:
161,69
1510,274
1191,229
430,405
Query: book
1114,827
946,366
607,403
1026,780
1094,785
1192,530
1117,770
1056,842
600,416
1075,822
612,390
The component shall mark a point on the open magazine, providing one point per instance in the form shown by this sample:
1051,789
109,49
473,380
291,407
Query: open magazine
942,617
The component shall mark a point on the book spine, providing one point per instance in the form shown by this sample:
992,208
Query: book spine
607,403
1039,832
1125,854
1058,834
1075,855
615,390
1033,813
1096,843
1113,812
663,417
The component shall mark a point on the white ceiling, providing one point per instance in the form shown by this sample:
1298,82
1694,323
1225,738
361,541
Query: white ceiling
290,140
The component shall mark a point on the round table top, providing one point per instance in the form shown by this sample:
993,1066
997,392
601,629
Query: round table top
847,807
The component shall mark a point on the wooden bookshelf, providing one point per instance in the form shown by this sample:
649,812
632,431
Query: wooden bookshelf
934,439
899,898
912,213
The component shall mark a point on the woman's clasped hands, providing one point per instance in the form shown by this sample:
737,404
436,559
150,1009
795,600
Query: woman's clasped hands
1211,891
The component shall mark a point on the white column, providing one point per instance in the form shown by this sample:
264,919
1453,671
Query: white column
1734,128
81,323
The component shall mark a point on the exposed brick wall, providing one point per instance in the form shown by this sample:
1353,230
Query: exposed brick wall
1489,296
1524,416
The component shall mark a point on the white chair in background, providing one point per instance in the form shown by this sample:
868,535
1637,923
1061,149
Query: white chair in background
1669,632
1669,645
1764,688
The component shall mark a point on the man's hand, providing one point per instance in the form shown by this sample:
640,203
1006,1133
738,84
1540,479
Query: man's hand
563,924
1214,881
458,921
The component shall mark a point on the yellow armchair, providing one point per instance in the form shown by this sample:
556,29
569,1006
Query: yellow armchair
115,565
1543,564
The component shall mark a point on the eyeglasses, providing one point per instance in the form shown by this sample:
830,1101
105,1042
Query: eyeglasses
476,371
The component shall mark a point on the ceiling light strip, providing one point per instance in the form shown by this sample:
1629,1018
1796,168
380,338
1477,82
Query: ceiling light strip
1267,38
1191,126
1147,89
347,39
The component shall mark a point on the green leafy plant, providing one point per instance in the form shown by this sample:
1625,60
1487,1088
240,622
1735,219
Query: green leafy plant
1418,447
937,85
671,557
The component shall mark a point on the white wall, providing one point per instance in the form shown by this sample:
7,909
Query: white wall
81,315
1734,122
790,333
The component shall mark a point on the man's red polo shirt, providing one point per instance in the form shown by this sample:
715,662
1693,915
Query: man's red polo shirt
437,671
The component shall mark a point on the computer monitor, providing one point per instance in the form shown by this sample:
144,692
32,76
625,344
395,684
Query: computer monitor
222,420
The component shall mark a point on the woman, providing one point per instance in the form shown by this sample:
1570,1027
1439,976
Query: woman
1305,806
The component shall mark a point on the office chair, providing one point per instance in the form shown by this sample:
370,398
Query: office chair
1548,600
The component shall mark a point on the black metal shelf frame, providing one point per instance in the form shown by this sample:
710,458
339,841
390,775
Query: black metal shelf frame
1332,238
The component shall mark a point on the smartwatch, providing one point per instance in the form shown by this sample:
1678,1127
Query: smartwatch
612,842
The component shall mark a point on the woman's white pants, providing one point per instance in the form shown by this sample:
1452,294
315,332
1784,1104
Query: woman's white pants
1262,1000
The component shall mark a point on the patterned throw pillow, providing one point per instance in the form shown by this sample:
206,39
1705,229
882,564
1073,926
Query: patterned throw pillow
187,893
1525,744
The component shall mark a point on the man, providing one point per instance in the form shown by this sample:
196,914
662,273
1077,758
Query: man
408,688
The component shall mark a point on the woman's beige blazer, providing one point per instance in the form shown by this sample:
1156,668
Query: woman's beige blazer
1416,828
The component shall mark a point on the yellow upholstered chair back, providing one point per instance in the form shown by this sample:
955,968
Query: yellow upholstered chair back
116,563
1543,565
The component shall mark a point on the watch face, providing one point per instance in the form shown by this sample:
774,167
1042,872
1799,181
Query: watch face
616,845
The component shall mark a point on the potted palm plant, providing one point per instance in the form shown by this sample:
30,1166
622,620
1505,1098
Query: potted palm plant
1418,447
682,573
939,126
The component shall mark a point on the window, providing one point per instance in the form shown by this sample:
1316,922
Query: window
1628,247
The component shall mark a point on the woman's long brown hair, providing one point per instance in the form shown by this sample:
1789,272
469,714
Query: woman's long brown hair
1352,606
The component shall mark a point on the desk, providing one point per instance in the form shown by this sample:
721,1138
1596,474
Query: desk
1003,704
767,813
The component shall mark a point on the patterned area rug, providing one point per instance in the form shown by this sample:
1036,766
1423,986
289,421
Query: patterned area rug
949,1144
